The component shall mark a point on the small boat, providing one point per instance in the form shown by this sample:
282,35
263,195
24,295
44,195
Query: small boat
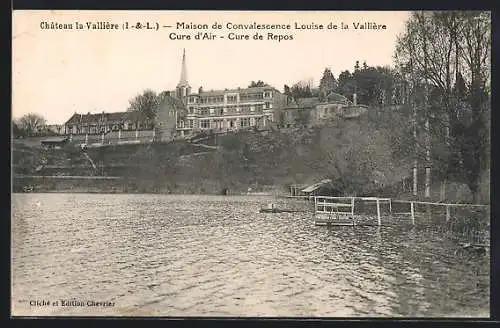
28,188
276,210
272,209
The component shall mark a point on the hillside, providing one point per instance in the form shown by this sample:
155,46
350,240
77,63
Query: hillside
357,154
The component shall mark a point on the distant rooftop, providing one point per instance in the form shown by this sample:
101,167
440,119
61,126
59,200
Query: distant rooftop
240,90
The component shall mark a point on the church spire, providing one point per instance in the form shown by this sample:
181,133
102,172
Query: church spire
183,81
183,89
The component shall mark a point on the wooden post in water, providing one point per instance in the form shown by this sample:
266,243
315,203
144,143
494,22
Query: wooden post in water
378,212
136,134
390,206
447,213
119,135
87,138
102,138
352,207
412,209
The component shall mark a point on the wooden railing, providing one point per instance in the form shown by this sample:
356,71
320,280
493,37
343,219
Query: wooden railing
345,206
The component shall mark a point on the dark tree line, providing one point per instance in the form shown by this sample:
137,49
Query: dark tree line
445,58
374,86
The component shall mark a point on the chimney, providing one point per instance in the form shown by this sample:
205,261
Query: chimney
355,99
200,90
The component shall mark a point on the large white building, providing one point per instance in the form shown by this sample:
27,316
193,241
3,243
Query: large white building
220,110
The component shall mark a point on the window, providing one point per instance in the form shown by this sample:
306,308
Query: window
218,124
268,105
232,99
205,124
219,111
244,122
203,111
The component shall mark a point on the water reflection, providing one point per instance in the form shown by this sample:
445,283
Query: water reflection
218,256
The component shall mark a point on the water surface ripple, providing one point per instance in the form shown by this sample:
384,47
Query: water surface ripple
166,255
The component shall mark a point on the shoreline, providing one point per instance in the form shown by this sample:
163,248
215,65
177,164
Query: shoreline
145,193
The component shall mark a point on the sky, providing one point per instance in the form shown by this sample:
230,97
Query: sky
57,72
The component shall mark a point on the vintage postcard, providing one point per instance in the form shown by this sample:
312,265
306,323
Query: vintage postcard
251,164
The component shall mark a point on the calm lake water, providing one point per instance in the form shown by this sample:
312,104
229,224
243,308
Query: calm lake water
165,255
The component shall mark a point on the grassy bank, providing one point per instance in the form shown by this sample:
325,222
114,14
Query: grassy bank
357,154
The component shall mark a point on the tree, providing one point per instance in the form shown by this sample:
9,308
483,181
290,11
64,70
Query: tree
447,55
147,103
346,84
359,155
327,83
16,131
259,83
31,124
373,85
301,89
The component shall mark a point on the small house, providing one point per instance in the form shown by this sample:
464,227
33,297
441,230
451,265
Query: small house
323,188
54,143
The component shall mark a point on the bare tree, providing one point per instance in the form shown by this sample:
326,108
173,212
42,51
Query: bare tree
147,103
31,123
449,53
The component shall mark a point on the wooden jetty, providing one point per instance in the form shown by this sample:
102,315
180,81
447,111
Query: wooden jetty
340,211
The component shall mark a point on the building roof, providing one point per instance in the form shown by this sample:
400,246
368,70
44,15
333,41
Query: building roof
307,102
336,97
95,118
317,185
134,115
240,90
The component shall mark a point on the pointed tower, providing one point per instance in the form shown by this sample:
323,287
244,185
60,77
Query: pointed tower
183,89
